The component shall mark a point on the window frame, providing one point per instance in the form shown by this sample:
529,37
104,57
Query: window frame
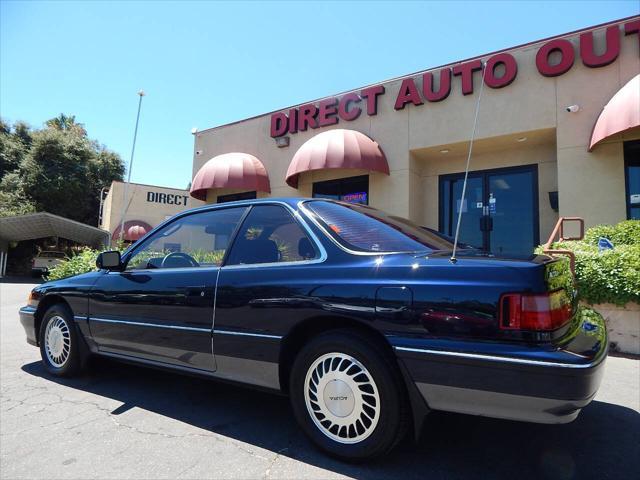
320,224
297,219
628,163
140,244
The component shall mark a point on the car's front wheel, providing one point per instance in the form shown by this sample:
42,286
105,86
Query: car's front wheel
347,395
59,346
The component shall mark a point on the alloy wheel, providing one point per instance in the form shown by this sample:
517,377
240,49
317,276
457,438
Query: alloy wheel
342,398
57,339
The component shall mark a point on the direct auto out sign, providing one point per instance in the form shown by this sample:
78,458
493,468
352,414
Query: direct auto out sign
501,70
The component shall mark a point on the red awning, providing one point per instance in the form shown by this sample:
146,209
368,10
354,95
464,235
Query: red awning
230,170
133,230
337,149
620,114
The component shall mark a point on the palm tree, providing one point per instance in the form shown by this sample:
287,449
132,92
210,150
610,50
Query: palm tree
66,123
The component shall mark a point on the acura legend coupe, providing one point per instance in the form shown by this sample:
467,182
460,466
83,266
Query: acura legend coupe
361,317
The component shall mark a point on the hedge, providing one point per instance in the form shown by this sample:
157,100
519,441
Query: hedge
82,262
610,276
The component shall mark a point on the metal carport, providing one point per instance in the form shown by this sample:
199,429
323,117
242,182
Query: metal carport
41,225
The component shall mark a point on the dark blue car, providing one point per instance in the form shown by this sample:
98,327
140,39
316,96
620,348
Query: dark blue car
359,316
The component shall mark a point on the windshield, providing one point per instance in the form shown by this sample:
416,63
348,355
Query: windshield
363,228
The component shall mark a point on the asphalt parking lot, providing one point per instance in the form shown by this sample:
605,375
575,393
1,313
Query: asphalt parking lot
120,421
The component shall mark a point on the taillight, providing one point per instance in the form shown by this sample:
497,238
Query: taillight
539,311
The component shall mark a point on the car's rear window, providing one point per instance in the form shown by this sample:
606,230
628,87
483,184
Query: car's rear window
366,229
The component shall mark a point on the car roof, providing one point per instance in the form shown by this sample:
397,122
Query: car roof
291,201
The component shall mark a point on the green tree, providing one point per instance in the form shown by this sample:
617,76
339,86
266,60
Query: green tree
13,200
13,146
66,123
57,170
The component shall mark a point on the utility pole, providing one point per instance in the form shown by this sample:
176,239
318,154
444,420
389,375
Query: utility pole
126,185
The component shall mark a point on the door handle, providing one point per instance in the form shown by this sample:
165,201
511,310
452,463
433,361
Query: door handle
486,223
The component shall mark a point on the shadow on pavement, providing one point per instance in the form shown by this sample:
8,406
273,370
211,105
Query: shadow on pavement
604,442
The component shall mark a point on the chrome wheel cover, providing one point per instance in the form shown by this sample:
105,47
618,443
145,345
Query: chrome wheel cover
342,398
57,341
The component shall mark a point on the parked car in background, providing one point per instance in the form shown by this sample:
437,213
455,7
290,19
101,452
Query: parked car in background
359,316
44,261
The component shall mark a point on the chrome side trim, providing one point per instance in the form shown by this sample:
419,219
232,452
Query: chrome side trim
494,358
143,324
27,312
80,317
191,329
247,334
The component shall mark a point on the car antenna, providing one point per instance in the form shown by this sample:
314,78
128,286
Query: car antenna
453,258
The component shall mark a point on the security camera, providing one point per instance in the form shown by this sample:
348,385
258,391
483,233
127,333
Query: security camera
198,152
573,108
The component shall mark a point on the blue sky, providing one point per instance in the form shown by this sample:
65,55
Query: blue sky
204,64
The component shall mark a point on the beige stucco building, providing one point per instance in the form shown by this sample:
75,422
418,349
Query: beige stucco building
545,145
146,207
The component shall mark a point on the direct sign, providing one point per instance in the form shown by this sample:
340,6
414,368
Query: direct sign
167,198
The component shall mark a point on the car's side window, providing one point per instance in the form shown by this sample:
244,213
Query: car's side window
270,234
196,240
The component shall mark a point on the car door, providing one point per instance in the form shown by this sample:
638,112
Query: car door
160,307
264,284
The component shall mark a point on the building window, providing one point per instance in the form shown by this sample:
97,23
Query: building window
351,190
234,197
632,178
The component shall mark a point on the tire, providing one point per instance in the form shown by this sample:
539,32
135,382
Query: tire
348,396
60,342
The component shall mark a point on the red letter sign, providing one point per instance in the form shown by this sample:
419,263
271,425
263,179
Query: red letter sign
588,55
632,27
443,90
408,93
278,124
466,71
371,94
566,62
293,120
307,117
343,107
510,70
327,112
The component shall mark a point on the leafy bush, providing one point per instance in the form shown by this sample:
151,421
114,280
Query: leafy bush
82,262
85,261
610,276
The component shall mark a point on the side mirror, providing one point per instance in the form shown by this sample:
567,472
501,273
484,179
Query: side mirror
110,260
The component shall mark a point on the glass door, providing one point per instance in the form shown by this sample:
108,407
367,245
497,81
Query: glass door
472,210
500,211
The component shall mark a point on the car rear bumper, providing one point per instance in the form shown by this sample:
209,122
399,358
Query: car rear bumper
28,321
516,382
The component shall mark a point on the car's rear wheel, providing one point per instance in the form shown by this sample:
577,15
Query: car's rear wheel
59,342
347,396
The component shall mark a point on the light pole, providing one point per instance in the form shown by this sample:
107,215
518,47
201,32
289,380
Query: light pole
126,185
194,132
